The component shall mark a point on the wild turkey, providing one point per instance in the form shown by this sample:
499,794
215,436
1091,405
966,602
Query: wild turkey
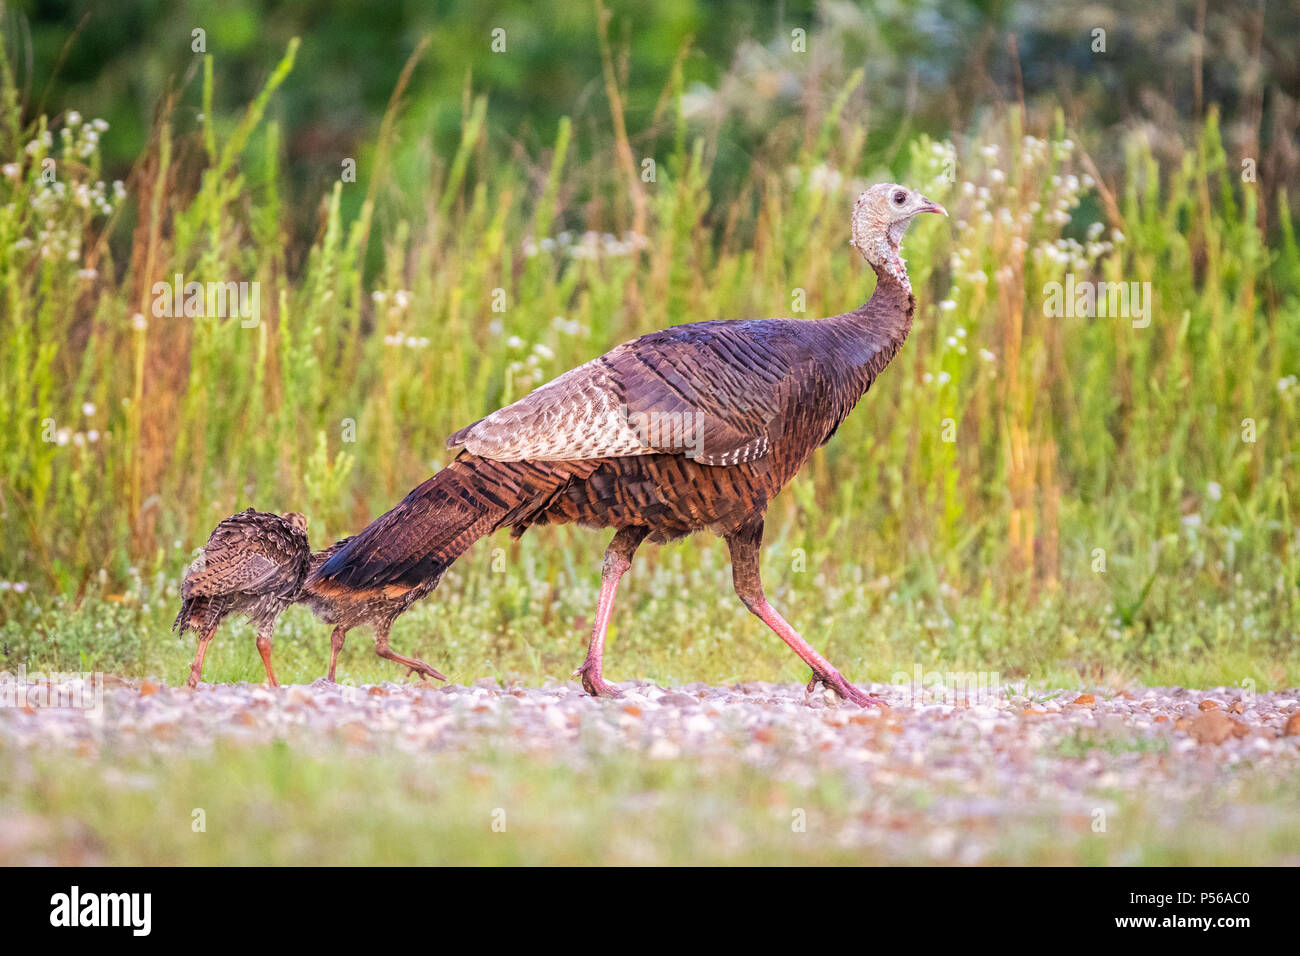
693,428
347,609
254,564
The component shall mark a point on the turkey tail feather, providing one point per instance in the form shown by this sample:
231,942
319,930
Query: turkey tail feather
415,542
182,622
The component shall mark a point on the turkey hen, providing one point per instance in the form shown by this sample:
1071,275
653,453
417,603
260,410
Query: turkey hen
693,428
253,564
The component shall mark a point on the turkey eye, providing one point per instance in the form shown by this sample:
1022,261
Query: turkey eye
899,198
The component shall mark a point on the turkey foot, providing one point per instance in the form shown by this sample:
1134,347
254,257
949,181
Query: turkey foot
423,670
843,690
416,665
594,684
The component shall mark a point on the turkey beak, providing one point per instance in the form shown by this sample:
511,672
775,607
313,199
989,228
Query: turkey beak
928,206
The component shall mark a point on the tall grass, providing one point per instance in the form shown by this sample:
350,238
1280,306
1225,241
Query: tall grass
1008,463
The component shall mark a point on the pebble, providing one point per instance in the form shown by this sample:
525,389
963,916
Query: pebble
1061,752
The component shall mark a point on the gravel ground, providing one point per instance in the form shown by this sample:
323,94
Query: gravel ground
947,768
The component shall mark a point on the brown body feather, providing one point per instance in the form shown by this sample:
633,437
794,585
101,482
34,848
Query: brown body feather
253,564
768,393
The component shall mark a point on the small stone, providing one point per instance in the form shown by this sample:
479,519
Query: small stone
300,698
1211,727
1292,726
1209,704
1085,700
677,699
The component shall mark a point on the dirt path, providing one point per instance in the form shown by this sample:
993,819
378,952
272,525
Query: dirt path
947,768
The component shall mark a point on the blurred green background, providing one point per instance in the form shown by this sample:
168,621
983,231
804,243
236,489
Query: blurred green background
929,66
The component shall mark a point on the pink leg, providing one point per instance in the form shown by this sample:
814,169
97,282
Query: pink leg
416,665
618,558
744,568
196,669
336,646
264,648
823,671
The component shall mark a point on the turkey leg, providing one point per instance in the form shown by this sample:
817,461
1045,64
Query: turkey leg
205,638
416,665
744,546
264,648
336,646
618,558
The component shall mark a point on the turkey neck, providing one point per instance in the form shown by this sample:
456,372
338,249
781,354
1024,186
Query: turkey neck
872,334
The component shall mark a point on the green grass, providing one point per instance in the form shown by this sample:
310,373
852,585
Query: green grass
673,628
